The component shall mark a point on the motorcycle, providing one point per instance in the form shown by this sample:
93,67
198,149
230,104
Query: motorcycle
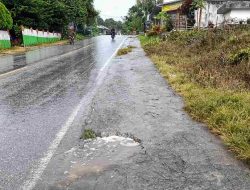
113,36
71,40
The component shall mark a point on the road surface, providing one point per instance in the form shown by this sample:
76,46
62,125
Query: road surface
146,141
39,91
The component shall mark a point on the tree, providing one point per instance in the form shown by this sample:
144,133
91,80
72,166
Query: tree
138,14
135,19
91,12
100,21
148,5
166,19
199,4
188,9
53,15
6,21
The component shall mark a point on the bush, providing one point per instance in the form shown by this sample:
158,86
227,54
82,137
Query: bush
188,37
6,21
169,25
149,40
211,58
156,30
80,37
242,55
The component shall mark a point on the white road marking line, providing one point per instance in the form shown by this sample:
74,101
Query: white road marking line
10,73
37,172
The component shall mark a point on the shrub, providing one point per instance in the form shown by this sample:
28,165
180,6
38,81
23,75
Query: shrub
209,57
156,30
242,55
6,21
188,37
248,21
149,40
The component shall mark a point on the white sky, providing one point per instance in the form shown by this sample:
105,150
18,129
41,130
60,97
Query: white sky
113,8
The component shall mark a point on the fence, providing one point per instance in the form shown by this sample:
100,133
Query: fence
4,40
33,37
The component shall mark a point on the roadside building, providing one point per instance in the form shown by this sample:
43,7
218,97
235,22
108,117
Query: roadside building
103,29
235,11
172,7
219,12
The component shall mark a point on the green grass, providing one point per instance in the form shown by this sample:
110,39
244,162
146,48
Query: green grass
148,40
80,37
224,108
19,49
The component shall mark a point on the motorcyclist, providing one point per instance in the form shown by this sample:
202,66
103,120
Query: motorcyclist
71,33
112,33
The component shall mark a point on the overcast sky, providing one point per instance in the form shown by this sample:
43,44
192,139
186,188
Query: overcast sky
113,8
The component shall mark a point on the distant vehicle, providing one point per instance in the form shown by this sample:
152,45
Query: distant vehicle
113,33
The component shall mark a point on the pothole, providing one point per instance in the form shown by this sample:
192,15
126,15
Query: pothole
105,147
89,135
98,152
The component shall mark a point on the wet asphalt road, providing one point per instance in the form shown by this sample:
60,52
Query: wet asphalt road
38,92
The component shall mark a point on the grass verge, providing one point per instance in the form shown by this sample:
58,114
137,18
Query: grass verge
225,108
19,49
80,37
124,51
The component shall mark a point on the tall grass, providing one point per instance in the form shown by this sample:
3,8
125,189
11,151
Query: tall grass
200,66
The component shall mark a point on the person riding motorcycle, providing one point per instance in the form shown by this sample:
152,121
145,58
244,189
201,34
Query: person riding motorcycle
71,34
112,33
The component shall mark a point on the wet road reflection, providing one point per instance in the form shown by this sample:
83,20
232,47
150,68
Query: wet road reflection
13,62
35,104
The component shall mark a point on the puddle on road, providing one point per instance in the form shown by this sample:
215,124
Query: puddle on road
97,155
12,62
123,141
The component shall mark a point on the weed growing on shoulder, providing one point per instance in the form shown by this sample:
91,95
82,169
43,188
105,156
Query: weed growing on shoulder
126,50
88,134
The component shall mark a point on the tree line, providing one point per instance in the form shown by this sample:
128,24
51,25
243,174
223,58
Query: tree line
51,15
110,23
137,14
136,17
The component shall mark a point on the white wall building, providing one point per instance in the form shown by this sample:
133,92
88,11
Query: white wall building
235,11
219,12
209,14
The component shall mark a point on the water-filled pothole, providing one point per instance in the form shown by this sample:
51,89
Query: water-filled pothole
99,154
89,134
105,147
